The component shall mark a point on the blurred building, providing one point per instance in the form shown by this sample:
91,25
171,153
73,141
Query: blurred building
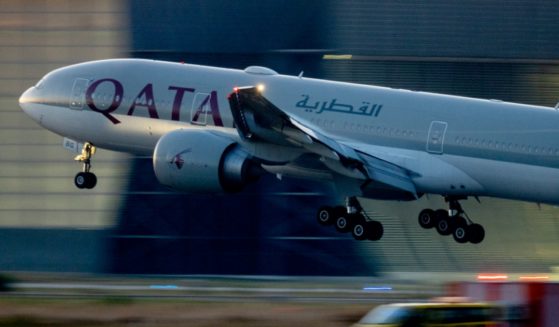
45,222
131,224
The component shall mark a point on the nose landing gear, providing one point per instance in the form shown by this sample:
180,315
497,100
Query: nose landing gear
85,178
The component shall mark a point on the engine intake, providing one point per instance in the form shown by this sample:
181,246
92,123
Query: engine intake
200,161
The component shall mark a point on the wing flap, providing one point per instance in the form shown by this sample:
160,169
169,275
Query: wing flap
256,118
389,174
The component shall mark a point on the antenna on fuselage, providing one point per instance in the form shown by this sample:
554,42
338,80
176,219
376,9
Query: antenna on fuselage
557,106
301,76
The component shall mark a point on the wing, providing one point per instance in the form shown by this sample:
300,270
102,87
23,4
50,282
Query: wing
256,118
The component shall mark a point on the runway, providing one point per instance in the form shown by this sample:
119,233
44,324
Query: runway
100,300
224,289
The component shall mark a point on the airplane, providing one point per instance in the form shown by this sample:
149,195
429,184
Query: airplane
215,130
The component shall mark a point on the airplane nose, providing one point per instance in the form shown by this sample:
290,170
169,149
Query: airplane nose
26,102
26,98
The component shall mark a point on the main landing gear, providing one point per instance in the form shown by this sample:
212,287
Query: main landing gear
454,221
85,178
351,218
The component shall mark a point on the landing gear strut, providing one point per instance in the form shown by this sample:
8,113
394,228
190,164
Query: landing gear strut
85,178
455,221
351,218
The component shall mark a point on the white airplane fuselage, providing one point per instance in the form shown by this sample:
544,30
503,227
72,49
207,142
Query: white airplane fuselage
453,145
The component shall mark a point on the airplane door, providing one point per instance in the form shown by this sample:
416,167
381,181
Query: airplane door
435,139
77,97
200,109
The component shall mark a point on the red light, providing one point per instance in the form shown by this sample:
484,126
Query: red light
492,277
235,89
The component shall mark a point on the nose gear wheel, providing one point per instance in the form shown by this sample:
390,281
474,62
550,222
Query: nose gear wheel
86,179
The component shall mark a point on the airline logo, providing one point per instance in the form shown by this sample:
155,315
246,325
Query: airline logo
177,160
364,108
145,100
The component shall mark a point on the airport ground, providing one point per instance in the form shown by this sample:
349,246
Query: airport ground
174,313
78,300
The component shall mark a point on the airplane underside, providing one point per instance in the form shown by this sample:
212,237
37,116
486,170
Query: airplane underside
351,217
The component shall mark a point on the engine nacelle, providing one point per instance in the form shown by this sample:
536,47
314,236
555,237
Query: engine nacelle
200,161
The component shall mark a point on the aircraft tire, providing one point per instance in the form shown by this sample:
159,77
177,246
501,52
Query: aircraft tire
343,223
427,218
375,230
443,225
85,180
91,180
325,215
360,229
80,180
477,233
461,232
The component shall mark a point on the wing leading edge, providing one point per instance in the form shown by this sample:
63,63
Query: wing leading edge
256,118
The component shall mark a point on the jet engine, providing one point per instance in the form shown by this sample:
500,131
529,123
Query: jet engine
201,161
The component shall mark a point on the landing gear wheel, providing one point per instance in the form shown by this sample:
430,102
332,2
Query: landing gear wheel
453,221
351,218
360,229
92,180
427,218
325,216
477,233
85,180
343,224
461,231
443,223
374,230
80,180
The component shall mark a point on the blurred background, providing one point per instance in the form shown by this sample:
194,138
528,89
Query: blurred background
129,224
